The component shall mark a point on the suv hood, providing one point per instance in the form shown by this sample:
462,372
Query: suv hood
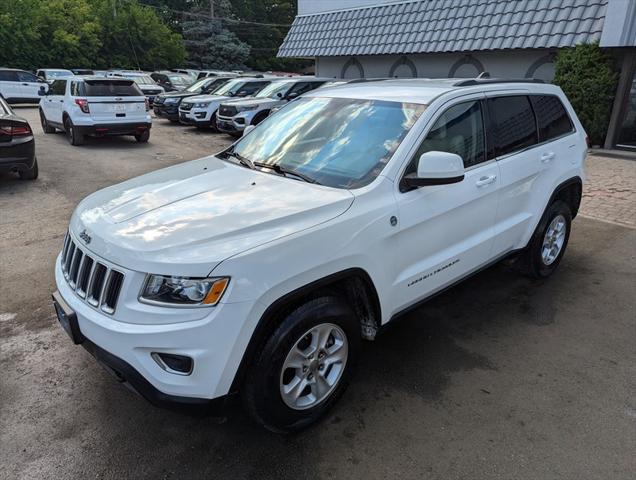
186,219
253,101
207,98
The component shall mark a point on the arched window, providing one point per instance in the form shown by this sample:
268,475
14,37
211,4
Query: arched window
403,68
543,68
466,67
352,69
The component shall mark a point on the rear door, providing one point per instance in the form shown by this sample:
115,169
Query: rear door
9,86
54,101
115,100
524,167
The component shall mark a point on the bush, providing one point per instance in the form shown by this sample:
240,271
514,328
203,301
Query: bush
588,77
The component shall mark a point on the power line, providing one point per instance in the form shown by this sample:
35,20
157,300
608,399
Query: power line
223,19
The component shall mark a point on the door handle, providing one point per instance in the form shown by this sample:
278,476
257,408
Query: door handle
547,157
483,181
25,84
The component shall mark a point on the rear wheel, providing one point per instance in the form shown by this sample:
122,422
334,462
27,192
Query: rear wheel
547,246
143,137
72,133
31,173
45,124
304,366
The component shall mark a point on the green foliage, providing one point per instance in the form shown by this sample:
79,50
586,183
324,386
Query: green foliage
588,77
210,44
85,33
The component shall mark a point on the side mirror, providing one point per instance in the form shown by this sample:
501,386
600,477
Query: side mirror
42,91
436,168
248,129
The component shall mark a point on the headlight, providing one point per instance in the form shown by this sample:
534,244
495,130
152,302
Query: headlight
201,105
184,290
171,100
245,108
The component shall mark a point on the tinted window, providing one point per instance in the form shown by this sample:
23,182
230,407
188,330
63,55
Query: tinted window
8,76
304,87
27,77
552,117
460,130
514,125
76,89
110,88
251,88
58,87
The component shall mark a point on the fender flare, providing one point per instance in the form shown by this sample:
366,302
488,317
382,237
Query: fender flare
267,322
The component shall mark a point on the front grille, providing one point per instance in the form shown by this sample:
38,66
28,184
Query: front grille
91,280
227,111
187,106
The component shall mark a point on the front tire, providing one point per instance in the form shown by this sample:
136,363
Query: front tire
73,135
546,248
304,366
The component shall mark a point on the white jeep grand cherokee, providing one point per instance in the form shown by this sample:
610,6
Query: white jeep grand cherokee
260,269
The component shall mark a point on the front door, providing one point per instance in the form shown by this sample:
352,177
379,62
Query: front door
29,85
446,231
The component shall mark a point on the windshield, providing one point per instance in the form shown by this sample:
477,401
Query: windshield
178,80
230,88
274,88
59,73
143,80
339,142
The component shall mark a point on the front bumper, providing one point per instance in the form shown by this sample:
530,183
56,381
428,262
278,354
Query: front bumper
195,116
171,112
215,343
18,154
111,129
231,125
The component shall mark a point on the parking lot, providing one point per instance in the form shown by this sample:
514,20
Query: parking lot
500,377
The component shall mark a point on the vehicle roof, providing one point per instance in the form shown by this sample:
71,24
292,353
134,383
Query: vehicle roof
55,69
417,90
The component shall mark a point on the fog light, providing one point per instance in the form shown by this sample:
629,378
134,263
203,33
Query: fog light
177,364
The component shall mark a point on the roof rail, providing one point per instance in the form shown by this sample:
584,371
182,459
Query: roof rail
485,81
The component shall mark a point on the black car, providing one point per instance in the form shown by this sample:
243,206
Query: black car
171,81
17,147
166,105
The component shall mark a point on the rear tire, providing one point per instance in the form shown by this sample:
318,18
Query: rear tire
72,133
546,248
143,137
45,124
291,357
31,173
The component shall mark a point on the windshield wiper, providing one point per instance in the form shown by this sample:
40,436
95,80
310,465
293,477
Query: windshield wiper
285,171
246,162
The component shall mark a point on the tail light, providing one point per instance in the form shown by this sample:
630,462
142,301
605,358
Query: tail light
8,130
147,104
83,104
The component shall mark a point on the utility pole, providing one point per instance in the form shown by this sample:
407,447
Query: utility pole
211,8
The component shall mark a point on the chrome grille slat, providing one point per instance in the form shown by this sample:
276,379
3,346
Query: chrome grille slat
92,280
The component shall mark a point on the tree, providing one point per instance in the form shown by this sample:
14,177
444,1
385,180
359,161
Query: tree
588,77
209,43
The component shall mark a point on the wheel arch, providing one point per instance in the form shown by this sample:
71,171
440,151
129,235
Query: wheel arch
569,191
259,117
354,284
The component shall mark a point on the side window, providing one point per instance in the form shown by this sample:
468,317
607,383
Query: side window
514,125
304,87
460,130
552,117
8,76
253,87
27,77
75,89
58,87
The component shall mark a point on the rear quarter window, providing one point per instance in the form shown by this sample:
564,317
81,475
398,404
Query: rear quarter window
513,124
112,88
552,117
